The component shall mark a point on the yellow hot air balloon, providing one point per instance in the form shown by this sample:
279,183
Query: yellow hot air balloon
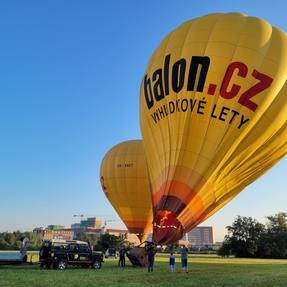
125,181
213,116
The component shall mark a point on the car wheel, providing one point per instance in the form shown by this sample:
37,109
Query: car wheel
62,265
97,264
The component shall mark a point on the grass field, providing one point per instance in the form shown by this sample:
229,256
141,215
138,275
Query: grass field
203,271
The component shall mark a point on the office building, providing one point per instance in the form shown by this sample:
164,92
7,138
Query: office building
199,236
55,227
89,223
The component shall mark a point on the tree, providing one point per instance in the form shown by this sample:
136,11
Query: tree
277,223
274,242
91,238
109,241
225,249
11,240
35,241
3,244
243,237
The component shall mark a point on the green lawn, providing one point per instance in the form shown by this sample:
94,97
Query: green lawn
204,271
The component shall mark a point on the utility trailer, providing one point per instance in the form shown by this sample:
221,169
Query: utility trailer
13,258
10,258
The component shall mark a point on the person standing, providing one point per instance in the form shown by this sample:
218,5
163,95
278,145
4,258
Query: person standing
184,257
122,259
150,248
172,262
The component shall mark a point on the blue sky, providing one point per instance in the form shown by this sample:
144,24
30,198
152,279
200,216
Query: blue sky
69,90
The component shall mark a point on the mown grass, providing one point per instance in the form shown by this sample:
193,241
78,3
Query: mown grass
204,271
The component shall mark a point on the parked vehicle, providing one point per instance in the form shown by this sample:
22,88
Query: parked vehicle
59,254
111,252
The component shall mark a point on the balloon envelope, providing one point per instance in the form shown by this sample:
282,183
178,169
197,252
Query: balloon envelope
213,116
125,182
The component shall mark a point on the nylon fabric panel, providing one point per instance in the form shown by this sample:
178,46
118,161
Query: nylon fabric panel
213,116
125,181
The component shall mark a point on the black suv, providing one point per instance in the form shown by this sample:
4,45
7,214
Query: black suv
61,253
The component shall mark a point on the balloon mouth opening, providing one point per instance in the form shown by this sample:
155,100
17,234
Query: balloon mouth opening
166,228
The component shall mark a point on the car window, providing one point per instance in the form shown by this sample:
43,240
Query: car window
58,247
83,248
73,247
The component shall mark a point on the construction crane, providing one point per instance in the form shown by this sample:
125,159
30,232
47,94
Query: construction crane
86,215
79,215
82,216
111,220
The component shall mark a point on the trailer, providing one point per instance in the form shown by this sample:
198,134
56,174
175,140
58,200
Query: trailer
14,258
10,258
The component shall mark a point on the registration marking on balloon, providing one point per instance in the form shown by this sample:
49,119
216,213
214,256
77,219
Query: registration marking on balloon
158,86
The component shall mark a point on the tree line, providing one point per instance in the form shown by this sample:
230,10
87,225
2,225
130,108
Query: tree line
249,238
246,237
104,241
11,240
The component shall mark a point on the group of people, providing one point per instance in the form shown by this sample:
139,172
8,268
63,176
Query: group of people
151,251
184,257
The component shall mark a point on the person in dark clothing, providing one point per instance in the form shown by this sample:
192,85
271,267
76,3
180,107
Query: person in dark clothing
122,258
150,257
172,262
44,254
184,257
151,251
